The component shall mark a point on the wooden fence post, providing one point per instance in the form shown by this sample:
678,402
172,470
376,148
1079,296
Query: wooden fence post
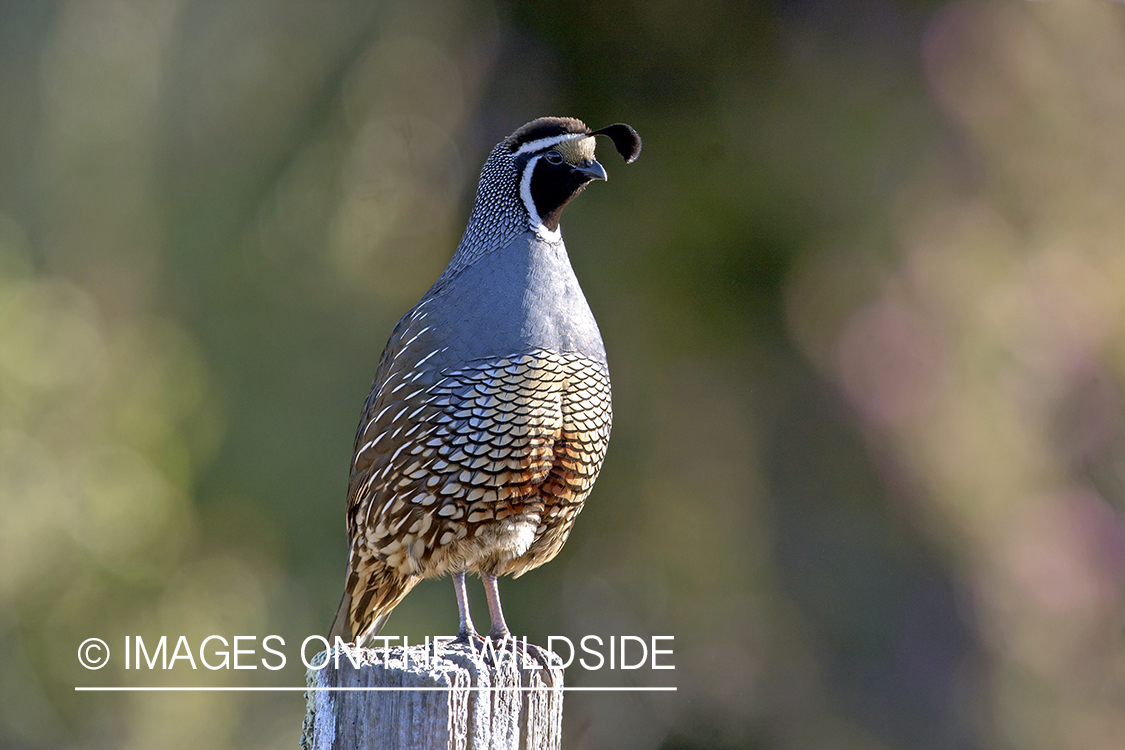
471,704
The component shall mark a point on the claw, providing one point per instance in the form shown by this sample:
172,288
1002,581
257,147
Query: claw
470,638
522,650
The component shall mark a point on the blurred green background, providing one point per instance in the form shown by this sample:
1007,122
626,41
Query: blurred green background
862,294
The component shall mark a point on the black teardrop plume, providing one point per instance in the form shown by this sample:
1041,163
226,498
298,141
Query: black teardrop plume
624,138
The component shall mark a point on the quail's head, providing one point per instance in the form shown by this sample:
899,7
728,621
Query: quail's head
552,160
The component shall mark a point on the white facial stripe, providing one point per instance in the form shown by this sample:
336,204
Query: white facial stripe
542,143
525,191
534,219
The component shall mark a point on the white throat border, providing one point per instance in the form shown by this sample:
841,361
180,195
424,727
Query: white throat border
534,220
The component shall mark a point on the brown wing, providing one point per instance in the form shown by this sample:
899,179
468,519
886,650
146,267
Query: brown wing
446,461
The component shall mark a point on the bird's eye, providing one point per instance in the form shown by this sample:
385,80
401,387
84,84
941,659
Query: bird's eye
554,157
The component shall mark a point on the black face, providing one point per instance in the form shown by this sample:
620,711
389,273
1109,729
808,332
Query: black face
553,184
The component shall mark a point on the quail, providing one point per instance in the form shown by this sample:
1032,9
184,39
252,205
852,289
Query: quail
490,412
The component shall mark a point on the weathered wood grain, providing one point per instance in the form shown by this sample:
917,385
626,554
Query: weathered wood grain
501,703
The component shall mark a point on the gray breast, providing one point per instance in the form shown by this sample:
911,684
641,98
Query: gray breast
520,298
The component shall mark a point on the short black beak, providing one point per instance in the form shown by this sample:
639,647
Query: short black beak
593,169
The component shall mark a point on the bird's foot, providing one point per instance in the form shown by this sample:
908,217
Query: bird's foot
470,638
528,655
547,661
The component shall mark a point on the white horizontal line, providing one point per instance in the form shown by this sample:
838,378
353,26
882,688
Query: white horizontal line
436,689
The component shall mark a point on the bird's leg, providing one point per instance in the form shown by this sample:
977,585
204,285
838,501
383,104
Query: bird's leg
499,631
467,631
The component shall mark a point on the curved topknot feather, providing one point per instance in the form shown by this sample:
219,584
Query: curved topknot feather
624,138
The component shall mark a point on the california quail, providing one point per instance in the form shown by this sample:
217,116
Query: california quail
489,416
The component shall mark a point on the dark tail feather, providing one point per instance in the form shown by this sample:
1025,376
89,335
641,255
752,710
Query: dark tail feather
368,639
390,589
341,623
